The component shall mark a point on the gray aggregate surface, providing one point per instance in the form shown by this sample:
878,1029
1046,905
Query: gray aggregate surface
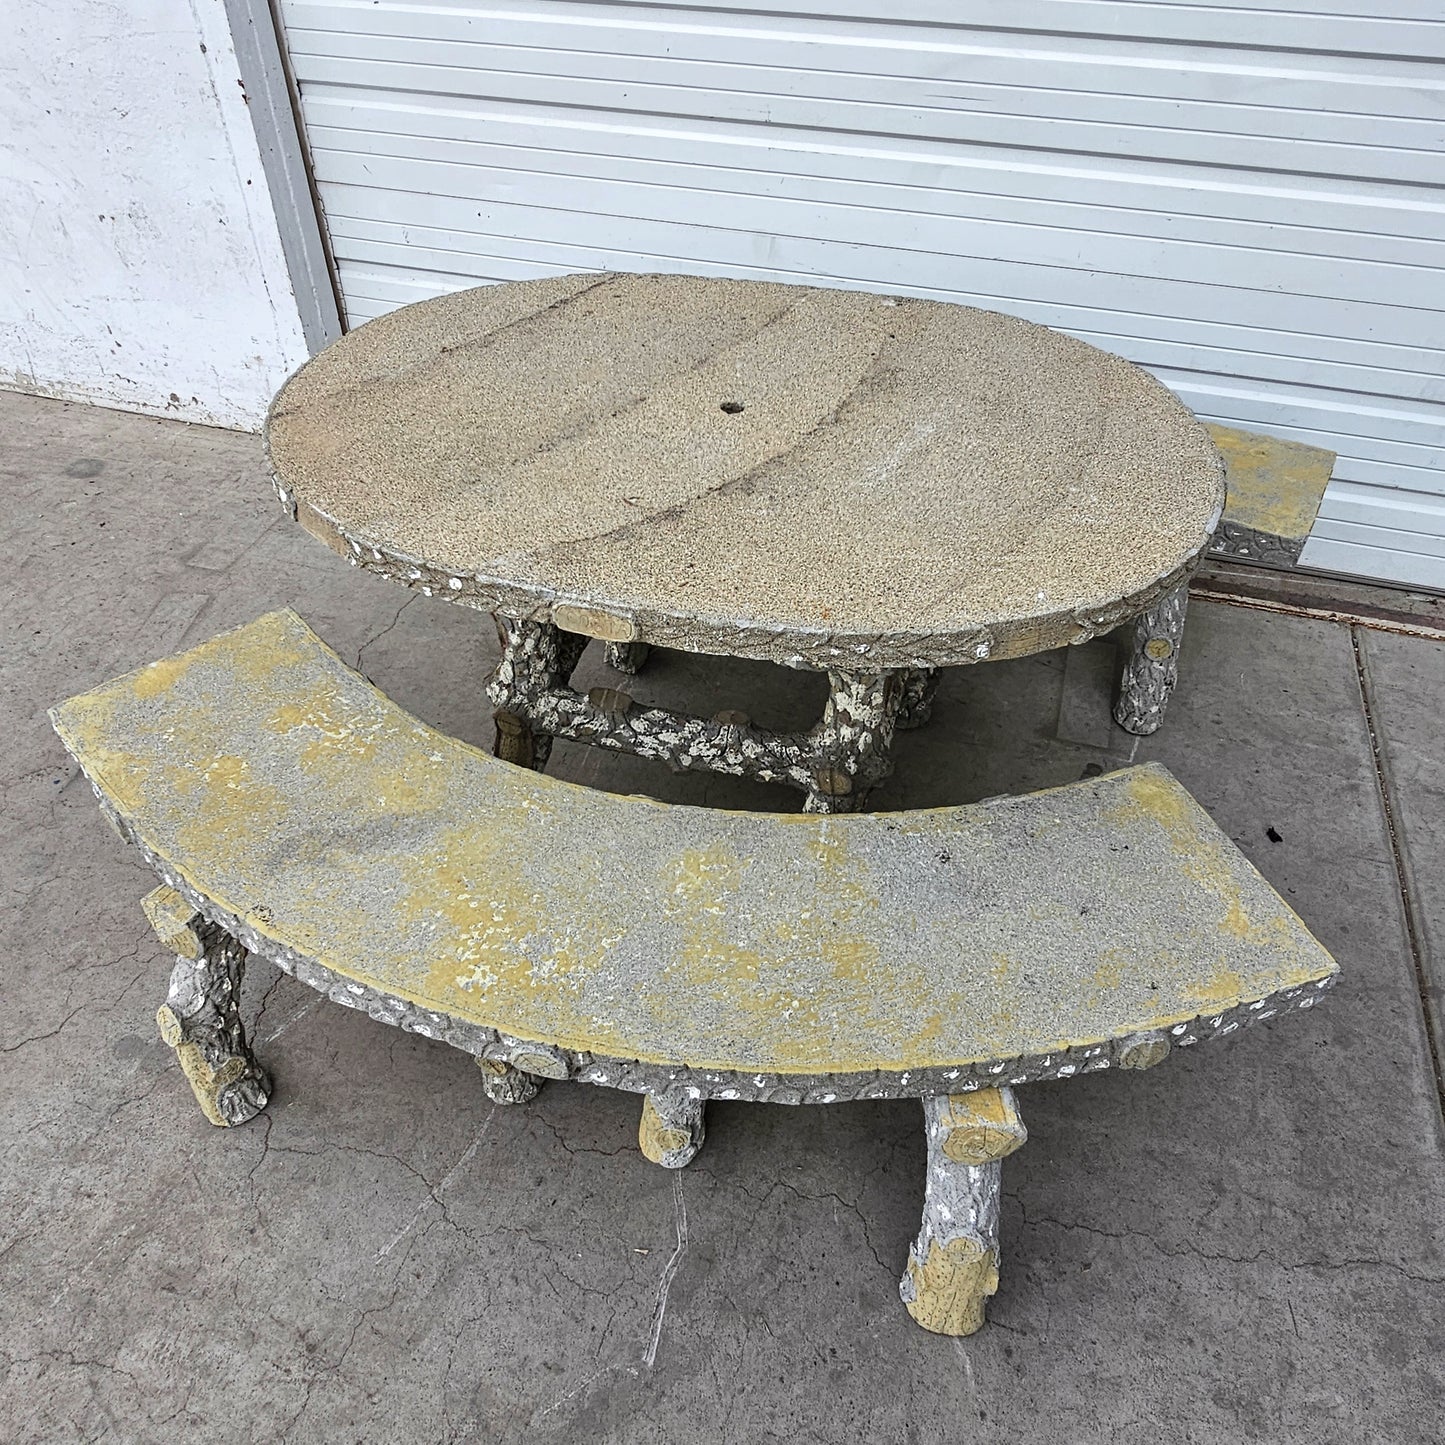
1243,1244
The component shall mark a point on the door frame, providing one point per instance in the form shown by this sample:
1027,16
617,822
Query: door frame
275,115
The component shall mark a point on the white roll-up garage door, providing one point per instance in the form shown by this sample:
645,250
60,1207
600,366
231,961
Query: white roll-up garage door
1246,199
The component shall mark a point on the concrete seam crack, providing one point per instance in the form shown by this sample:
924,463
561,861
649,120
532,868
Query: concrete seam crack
1413,931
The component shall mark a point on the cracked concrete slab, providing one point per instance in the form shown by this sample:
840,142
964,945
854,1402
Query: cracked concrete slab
1244,1244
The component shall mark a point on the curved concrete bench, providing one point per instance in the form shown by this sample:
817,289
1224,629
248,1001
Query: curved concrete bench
685,953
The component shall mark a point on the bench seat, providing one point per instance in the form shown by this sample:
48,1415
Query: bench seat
554,931
291,801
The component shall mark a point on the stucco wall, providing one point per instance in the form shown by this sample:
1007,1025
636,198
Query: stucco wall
140,264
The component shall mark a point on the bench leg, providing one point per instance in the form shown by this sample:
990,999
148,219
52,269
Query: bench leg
628,657
1152,666
505,1084
672,1128
200,1019
953,1265
852,742
920,687
536,656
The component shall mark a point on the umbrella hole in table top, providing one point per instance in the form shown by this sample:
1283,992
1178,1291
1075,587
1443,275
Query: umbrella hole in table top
873,487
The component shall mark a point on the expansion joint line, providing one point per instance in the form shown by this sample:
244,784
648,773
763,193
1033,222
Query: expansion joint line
1413,931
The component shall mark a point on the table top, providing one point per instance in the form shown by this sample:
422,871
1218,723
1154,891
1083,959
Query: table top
814,476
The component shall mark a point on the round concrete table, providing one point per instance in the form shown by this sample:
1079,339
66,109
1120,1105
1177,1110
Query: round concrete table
871,485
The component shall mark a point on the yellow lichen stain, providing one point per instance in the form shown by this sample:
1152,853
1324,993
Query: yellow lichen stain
1151,793
172,917
951,1286
189,797
704,885
227,771
988,1107
828,847
1222,989
981,1127
161,676
930,1030
843,935
255,650
1205,858
337,734
224,801
707,875
656,1139
1114,967
1236,920
218,797
350,743
854,958
1270,933
127,777
759,992
505,949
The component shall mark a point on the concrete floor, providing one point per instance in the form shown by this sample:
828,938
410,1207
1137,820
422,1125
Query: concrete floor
1242,1245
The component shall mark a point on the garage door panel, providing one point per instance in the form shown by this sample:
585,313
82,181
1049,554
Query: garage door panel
1380,222
1327,26
843,37
1405,151
1204,264
1245,350
1361,557
882,266
1145,85
1368,472
888,183
383,284
1398,510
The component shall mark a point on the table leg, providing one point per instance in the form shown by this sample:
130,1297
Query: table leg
536,656
920,687
672,1128
1152,666
953,1264
507,1085
200,1018
851,744
628,657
